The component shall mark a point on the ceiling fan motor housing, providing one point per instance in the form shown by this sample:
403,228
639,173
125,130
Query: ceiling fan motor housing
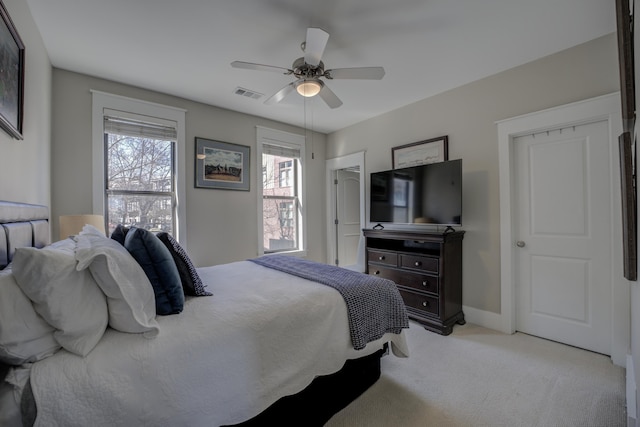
302,70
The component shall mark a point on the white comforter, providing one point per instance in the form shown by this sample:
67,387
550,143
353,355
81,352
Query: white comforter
263,335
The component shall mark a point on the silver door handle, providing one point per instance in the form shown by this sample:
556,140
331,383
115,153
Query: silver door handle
520,244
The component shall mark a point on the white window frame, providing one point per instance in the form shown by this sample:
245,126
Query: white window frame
102,102
295,141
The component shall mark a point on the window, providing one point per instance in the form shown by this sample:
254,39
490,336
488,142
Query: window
286,216
281,200
139,184
285,173
139,164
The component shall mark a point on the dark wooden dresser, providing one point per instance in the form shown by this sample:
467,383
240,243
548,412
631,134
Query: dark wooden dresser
426,267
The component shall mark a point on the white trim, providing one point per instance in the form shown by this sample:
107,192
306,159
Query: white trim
125,99
631,392
486,319
102,101
332,165
293,140
606,107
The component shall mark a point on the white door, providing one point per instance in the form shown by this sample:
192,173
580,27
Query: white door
562,226
348,227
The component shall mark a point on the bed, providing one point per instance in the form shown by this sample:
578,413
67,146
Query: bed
260,345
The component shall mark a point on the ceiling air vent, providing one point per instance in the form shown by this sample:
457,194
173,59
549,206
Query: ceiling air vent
248,93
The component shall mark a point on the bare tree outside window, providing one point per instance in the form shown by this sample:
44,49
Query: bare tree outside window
280,203
140,189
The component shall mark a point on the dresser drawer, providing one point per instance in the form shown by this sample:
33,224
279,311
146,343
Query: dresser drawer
418,262
418,281
423,303
408,279
384,272
382,257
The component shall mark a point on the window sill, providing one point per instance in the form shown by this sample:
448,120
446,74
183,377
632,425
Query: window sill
296,253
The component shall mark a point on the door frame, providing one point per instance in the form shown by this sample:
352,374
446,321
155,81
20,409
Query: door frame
606,107
332,165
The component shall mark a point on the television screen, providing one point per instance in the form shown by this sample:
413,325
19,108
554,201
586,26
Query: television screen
425,194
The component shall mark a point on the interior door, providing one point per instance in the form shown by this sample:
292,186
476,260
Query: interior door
348,227
562,225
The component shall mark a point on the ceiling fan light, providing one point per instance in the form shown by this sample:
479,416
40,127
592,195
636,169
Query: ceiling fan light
309,88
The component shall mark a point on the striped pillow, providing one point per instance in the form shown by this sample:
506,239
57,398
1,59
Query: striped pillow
191,283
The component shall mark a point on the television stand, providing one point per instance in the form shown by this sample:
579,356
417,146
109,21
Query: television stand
427,269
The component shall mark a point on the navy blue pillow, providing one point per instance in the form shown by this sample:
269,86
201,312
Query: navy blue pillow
157,263
120,233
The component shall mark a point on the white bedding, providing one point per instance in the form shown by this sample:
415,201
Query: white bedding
263,335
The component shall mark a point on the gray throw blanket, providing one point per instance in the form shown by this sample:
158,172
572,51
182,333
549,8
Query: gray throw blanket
374,305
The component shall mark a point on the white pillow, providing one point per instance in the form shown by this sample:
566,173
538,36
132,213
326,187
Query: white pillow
24,335
68,299
130,297
11,391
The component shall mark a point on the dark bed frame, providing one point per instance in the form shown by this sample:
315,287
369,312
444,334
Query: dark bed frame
324,397
27,225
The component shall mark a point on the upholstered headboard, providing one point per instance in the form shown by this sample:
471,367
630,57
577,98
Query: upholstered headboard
21,224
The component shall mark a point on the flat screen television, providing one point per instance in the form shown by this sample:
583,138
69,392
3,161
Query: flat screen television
426,194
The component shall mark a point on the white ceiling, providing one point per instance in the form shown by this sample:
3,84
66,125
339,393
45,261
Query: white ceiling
185,47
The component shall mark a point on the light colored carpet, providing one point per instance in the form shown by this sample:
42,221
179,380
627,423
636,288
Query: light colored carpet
480,377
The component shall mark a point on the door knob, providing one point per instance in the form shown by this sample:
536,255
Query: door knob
520,244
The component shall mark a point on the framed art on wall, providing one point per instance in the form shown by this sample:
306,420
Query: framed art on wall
624,26
11,77
629,218
419,153
222,165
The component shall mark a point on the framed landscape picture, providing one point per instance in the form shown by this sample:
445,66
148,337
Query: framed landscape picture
222,165
420,153
11,77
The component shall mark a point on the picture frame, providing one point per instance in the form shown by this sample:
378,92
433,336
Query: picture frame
11,76
624,26
222,165
419,153
629,217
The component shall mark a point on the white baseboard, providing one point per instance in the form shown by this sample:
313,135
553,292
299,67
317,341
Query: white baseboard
631,393
486,319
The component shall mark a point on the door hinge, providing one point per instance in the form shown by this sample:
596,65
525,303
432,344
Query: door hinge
337,261
335,222
335,182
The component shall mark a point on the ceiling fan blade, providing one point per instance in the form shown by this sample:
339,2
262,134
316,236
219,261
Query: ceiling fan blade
260,67
281,94
329,97
364,73
314,45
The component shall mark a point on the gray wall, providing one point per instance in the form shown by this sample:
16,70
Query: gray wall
25,165
468,115
222,225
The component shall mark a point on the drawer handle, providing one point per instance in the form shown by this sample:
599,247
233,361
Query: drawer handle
377,272
425,283
418,263
381,257
425,303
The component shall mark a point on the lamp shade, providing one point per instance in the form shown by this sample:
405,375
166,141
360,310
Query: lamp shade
70,225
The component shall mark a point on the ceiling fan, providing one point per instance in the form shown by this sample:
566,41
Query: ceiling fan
309,69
